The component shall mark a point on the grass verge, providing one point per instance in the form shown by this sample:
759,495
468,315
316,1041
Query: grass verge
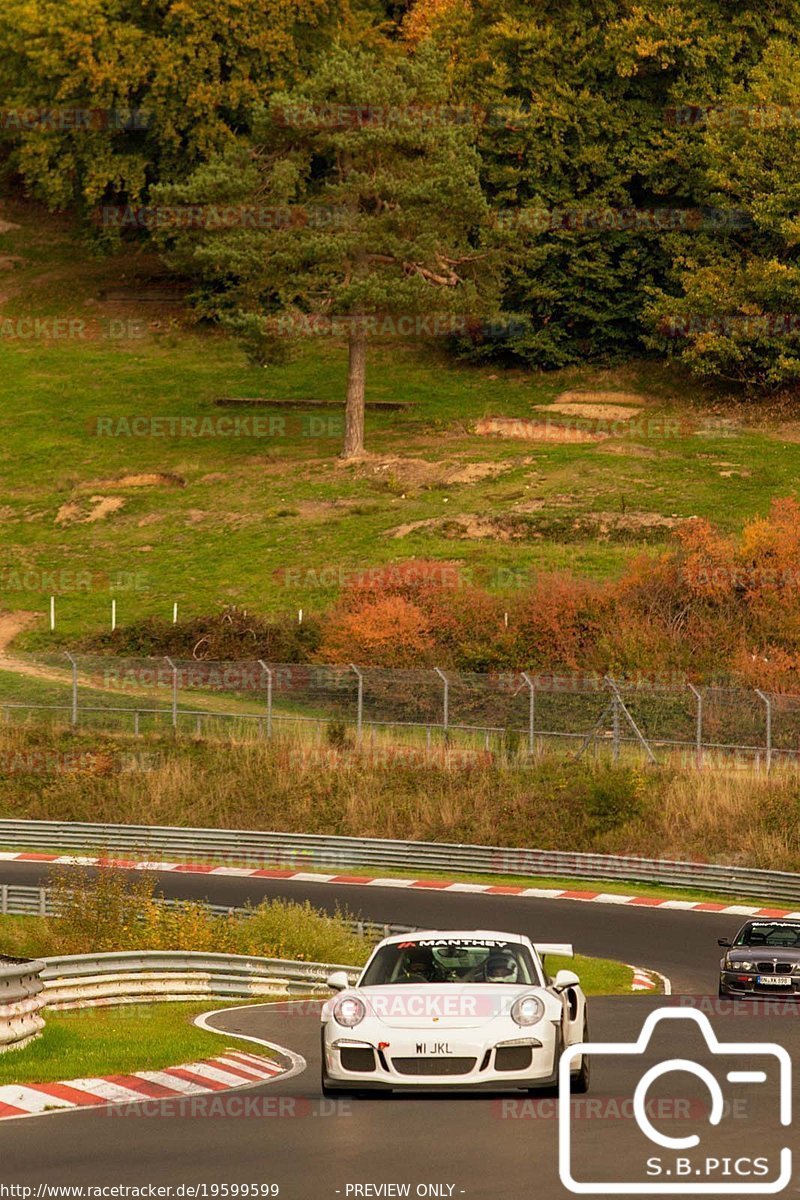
598,976
84,1043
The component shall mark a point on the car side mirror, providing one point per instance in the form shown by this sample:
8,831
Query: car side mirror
564,980
726,942
338,981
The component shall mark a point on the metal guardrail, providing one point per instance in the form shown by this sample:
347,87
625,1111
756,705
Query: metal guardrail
314,851
21,1000
78,980
21,900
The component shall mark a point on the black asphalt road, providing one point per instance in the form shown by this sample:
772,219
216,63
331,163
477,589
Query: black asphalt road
503,1148
682,945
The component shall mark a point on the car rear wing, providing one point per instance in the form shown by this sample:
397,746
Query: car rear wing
562,949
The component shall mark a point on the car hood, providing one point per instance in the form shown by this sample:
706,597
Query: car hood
447,1005
767,954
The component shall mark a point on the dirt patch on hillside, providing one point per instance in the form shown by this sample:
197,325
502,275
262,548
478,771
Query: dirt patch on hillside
536,431
470,526
12,624
597,412
631,449
524,525
632,521
148,479
82,512
420,472
634,399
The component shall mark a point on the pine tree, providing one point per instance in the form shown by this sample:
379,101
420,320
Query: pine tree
368,215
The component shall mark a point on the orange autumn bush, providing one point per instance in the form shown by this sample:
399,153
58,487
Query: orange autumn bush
390,631
712,607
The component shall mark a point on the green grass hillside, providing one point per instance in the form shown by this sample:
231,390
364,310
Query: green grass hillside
276,522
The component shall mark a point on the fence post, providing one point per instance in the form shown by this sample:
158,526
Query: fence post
445,700
768,702
42,902
4,898
699,729
619,706
531,712
74,687
360,712
174,670
268,670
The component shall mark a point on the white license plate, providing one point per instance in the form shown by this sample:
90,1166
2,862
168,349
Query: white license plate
776,980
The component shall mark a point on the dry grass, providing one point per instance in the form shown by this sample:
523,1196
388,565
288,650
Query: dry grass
718,815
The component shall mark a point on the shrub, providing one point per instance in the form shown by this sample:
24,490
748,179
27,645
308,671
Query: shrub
391,630
110,909
336,734
614,797
223,637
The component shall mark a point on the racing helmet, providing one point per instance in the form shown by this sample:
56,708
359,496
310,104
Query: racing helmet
501,967
419,961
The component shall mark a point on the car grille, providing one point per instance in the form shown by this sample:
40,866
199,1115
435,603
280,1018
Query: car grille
513,1058
774,968
434,1066
357,1058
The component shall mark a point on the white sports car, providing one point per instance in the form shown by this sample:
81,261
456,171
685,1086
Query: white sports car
451,1010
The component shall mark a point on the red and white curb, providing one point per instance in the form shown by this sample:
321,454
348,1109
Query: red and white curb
233,1069
434,885
645,979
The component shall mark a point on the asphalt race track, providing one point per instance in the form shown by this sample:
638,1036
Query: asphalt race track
505,1148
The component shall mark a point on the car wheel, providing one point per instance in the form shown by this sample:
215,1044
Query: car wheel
579,1082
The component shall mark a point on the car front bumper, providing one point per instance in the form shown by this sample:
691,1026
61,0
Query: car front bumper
742,986
469,1065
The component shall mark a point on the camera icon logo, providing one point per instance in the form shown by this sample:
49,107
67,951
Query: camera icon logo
674,1170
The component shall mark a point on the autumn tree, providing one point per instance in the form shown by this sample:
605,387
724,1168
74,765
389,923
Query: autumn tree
103,97
378,180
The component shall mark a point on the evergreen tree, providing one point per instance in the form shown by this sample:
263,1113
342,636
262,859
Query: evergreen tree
378,179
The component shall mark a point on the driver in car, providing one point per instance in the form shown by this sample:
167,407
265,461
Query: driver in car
419,966
501,967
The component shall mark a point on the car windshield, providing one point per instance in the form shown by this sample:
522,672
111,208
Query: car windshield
460,960
767,933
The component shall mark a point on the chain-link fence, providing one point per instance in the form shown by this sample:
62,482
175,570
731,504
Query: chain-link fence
516,713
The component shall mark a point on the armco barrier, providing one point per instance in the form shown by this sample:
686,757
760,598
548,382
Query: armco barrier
125,977
316,852
20,900
21,1001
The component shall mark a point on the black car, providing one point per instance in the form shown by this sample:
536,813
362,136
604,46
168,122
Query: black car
762,960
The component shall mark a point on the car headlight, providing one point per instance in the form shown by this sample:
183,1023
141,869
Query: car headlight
349,1011
528,1010
739,966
